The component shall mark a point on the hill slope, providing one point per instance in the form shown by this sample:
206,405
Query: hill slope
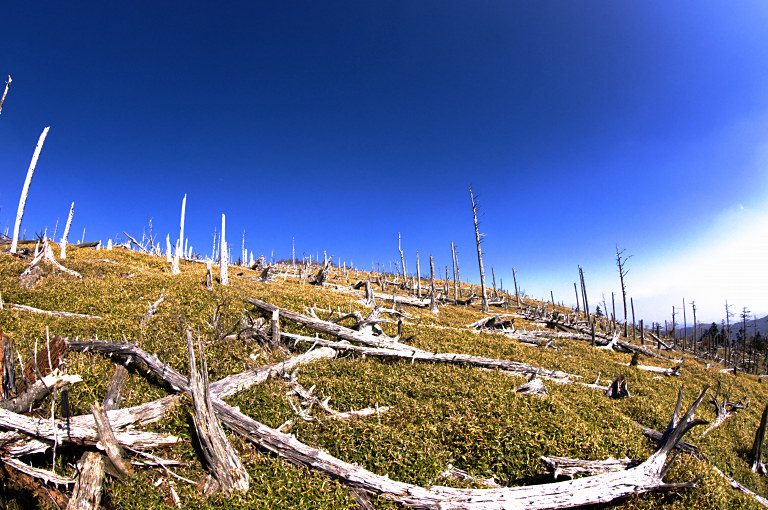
440,414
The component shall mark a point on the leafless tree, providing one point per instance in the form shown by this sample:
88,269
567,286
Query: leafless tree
621,264
478,238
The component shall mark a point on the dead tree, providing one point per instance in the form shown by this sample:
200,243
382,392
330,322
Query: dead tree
432,301
227,471
724,409
621,263
478,238
224,259
455,267
5,93
418,277
63,254
517,293
25,190
402,258
757,446
619,388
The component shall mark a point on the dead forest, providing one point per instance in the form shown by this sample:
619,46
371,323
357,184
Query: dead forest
132,381
136,375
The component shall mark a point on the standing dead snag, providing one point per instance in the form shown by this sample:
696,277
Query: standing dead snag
478,237
63,254
25,189
5,93
619,388
432,301
620,263
757,446
226,469
224,260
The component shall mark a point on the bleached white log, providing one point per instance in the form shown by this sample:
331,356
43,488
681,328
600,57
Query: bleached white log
63,254
224,253
25,189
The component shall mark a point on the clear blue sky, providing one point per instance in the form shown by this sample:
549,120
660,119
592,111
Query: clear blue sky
581,125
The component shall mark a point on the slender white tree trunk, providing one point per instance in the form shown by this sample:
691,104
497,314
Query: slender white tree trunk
183,210
2,100
168,255
224,254
175,262
25,189
63,254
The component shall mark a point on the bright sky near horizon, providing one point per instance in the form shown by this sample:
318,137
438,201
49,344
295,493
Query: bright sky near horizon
581,125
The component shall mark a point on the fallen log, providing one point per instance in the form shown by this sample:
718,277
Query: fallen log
420,355
565,466
25,308
236,383
603,488
330,328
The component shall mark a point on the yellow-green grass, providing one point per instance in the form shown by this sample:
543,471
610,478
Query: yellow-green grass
440,414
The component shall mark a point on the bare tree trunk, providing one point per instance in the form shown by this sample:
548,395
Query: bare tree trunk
402,258
25,189
517,293
224,262
418,277
7,85
575,291
620,262
453,261
63,254
632,304
479,252
685,326
433,302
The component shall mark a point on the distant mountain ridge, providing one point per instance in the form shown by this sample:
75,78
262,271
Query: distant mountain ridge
736,325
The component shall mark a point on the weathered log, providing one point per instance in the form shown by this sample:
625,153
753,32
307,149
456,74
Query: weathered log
33,395
534,386
88,490
152,309
109,443
741,488
494,322
757,446
683,446
420,355
114,390
69,315
453,473
135,242
329,327
43,474
647,476
227,472
724,409
233,384
565,466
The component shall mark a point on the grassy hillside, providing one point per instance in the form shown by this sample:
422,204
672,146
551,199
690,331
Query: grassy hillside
440,414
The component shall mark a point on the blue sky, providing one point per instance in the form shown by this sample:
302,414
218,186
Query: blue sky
581,125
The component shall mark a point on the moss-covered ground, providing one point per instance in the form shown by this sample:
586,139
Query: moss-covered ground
440,414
